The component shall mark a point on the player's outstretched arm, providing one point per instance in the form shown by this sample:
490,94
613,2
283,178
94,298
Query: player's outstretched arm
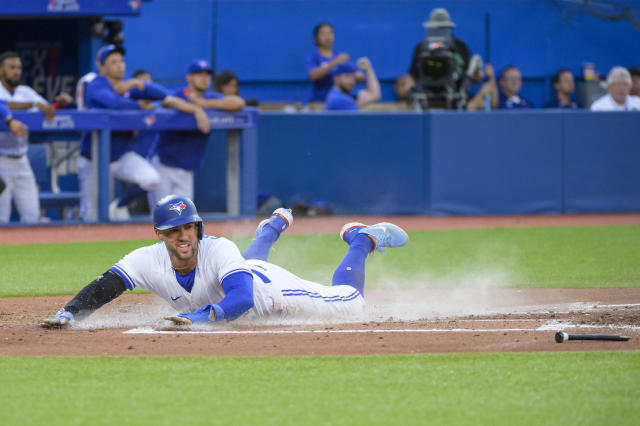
227,103
238,289
100,291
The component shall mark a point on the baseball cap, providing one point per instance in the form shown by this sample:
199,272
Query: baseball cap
108,50
345,68
200,65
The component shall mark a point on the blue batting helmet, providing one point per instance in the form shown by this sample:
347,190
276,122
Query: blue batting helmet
175,210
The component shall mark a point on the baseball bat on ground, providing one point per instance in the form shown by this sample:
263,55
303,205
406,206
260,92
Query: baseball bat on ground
561,336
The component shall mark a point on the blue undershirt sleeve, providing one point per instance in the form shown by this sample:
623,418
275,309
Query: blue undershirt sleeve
4,110
152,92
108,99
238,298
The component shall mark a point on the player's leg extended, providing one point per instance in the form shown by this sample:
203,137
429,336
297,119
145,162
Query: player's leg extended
362,240
267,233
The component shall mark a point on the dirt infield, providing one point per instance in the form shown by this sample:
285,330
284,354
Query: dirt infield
511,319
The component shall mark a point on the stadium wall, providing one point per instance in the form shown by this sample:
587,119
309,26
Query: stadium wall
444,163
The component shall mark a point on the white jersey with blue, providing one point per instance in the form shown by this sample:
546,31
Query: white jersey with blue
150,268
276,291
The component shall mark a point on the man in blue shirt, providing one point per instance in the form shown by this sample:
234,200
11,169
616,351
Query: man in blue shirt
564,86
510,85
105,92
343,97
180,153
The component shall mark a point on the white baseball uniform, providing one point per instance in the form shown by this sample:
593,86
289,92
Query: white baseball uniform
15,168
276,291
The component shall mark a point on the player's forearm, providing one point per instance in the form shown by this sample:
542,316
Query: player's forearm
21,106
228,103
102,290
238,298
176,103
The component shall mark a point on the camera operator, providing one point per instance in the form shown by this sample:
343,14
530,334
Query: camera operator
442,65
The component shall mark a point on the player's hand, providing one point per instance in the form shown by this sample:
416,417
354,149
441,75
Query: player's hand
18,128
48,110
363,63
64,99
61,319
204,125
341,58
144,104
489,72
204,314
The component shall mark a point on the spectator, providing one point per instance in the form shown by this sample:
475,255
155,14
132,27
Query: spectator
343,97
403,87
618,98
226,82
564,86
15,169
126,165
489,89
510,85
635,81
322,62
180,153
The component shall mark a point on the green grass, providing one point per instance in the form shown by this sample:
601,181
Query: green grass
597,388
596,256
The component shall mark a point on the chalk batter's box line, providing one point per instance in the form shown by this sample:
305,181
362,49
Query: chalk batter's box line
546,327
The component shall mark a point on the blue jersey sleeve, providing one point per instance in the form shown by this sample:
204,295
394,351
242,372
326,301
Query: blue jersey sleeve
4,110
101,95
238,289
152,92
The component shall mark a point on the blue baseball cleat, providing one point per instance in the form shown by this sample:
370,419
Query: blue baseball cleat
280,220
383,234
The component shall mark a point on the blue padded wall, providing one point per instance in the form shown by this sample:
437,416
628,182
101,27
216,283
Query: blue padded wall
602,162
495,163
360,163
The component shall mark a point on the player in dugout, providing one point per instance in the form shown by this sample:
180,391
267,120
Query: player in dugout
206,279
126,164
180,153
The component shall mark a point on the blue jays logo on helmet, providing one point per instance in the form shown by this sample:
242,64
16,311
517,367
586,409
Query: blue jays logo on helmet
178,207
175,210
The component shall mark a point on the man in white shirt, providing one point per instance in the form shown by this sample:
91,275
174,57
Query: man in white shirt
15,169
618,98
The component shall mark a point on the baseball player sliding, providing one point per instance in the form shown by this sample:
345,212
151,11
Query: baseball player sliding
206,279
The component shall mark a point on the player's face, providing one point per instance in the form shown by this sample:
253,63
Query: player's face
11,71
114,66
325,37
565,83
200,80
346,82
181,242
619,90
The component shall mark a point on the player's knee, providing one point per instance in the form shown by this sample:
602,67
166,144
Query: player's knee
150,181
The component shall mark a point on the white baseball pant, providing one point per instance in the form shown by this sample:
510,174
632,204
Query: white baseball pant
173,180
21,187
131,167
